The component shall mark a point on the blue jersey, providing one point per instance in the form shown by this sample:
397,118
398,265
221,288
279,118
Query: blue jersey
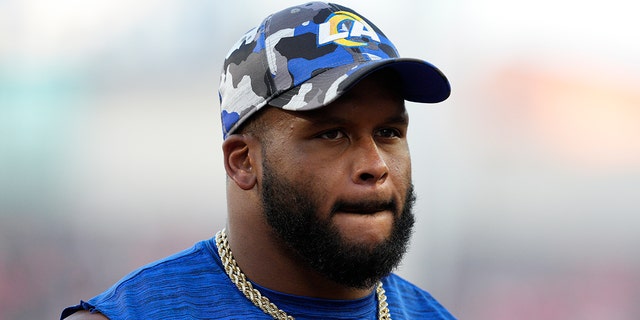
192,284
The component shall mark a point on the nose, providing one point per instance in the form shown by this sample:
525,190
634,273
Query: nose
369,164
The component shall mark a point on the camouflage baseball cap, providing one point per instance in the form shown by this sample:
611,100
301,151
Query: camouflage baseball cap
306,56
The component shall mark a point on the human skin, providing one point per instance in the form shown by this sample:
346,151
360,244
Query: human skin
86,315
353,150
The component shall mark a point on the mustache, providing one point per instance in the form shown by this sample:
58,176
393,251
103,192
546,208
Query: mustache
365,206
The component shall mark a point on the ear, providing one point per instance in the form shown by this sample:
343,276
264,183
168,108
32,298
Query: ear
238,161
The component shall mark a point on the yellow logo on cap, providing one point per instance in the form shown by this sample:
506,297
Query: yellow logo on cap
336,29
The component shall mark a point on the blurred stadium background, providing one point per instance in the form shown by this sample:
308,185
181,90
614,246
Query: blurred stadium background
528,176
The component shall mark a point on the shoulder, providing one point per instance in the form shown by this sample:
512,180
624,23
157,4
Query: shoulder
179,269
175,282
174,269
86,315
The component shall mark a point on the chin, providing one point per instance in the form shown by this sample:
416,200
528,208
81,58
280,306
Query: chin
364,230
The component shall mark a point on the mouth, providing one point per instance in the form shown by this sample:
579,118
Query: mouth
365,208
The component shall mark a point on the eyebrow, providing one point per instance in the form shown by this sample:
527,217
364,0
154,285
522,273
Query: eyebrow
402,119
399,119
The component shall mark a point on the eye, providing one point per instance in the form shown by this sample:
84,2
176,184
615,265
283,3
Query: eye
331,135
388,133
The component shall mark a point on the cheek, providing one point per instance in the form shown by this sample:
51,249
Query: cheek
399,164
308,173
323,177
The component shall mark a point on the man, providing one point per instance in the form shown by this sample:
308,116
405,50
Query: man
319,183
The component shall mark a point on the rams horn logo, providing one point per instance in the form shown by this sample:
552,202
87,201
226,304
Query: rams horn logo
346,29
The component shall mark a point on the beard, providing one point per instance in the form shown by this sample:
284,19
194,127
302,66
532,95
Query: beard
292,211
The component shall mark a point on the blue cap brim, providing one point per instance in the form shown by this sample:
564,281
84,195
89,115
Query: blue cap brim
421,82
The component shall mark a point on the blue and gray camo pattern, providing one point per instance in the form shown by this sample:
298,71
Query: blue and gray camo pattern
298,59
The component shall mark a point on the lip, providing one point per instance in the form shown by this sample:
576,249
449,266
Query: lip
366,209
362,211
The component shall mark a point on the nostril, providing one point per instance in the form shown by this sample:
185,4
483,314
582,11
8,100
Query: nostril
366,177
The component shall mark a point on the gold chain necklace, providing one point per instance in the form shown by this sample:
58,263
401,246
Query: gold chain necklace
240,280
